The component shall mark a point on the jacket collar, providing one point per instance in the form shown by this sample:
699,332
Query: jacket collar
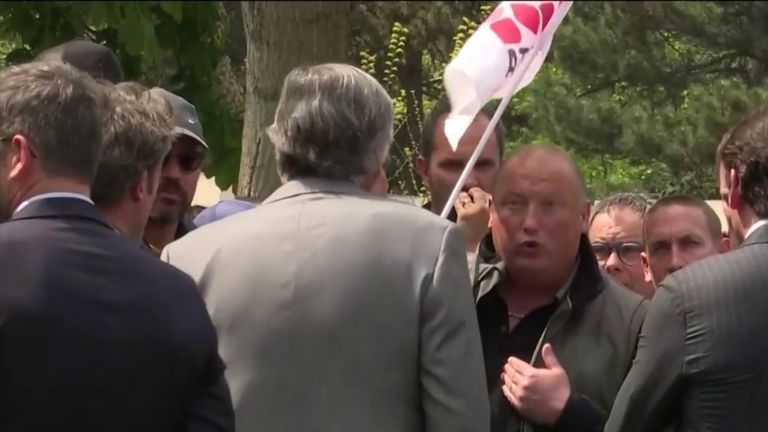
586,283
61,208
312,185
760,235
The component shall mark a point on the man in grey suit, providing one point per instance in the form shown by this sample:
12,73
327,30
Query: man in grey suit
702,361
338,309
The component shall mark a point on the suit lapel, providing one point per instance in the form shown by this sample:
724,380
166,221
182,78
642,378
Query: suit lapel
67,208
312,186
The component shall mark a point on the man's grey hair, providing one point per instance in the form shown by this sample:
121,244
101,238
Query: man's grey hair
633,201
333,121
138,136
60,110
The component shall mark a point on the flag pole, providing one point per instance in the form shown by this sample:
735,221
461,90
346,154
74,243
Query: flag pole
486,135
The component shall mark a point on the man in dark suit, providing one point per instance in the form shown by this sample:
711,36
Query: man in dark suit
95,334
702,361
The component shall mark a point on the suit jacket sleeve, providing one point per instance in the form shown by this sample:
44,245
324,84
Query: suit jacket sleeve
649,396
454,393
210,409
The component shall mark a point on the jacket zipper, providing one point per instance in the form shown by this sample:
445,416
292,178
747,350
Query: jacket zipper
524,426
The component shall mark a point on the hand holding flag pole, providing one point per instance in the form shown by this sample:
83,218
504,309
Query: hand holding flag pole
501,58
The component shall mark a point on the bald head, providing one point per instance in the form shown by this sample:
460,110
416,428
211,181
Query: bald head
541,158
539,214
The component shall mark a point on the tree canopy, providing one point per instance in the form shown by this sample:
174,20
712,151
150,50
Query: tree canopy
639,92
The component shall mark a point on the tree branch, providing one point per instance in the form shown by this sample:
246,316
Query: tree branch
730,55
669,42
599,87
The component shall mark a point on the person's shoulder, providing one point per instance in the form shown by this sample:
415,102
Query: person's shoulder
738,267
149,267
22,229
398,210
623,298
210,233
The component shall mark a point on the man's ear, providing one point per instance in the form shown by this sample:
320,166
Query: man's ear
585,213
21,156
734,190
491,213
646,268
421,165
725,245
139,189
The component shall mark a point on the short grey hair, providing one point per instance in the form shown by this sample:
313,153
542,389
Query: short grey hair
61,110
639,203
138,136
333,121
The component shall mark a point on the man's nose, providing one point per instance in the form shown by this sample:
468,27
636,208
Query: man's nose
471,181
677,259
171,168
531,221
613,264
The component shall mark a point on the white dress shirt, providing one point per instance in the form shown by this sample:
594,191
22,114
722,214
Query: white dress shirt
755,226
52,195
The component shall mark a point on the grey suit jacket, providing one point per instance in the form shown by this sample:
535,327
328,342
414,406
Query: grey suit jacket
702,361
341,311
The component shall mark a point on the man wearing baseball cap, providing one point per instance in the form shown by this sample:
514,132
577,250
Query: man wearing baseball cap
180,172
100,62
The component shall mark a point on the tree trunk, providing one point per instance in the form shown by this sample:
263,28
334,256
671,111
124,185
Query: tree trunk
281,36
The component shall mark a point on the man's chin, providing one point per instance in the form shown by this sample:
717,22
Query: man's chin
164,217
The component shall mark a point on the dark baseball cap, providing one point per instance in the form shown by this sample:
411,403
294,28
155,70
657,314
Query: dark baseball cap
185,119
98,61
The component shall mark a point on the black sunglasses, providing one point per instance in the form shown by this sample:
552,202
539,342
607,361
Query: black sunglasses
188,161
628,252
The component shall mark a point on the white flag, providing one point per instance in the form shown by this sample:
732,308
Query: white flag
501,58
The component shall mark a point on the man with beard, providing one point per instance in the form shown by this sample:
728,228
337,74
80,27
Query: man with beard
440,167
179,175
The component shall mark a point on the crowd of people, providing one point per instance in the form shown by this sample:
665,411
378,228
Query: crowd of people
330,306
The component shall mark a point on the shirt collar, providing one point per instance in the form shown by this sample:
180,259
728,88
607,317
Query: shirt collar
52,195
564,290
497,276
755,226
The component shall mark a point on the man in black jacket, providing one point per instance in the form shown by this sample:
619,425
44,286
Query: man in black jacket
558,334
95,334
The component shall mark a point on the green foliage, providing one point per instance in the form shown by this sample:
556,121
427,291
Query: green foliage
406,46
639,92
176,45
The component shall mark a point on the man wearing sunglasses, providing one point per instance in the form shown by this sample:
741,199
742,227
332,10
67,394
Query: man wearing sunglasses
180,173
616,235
